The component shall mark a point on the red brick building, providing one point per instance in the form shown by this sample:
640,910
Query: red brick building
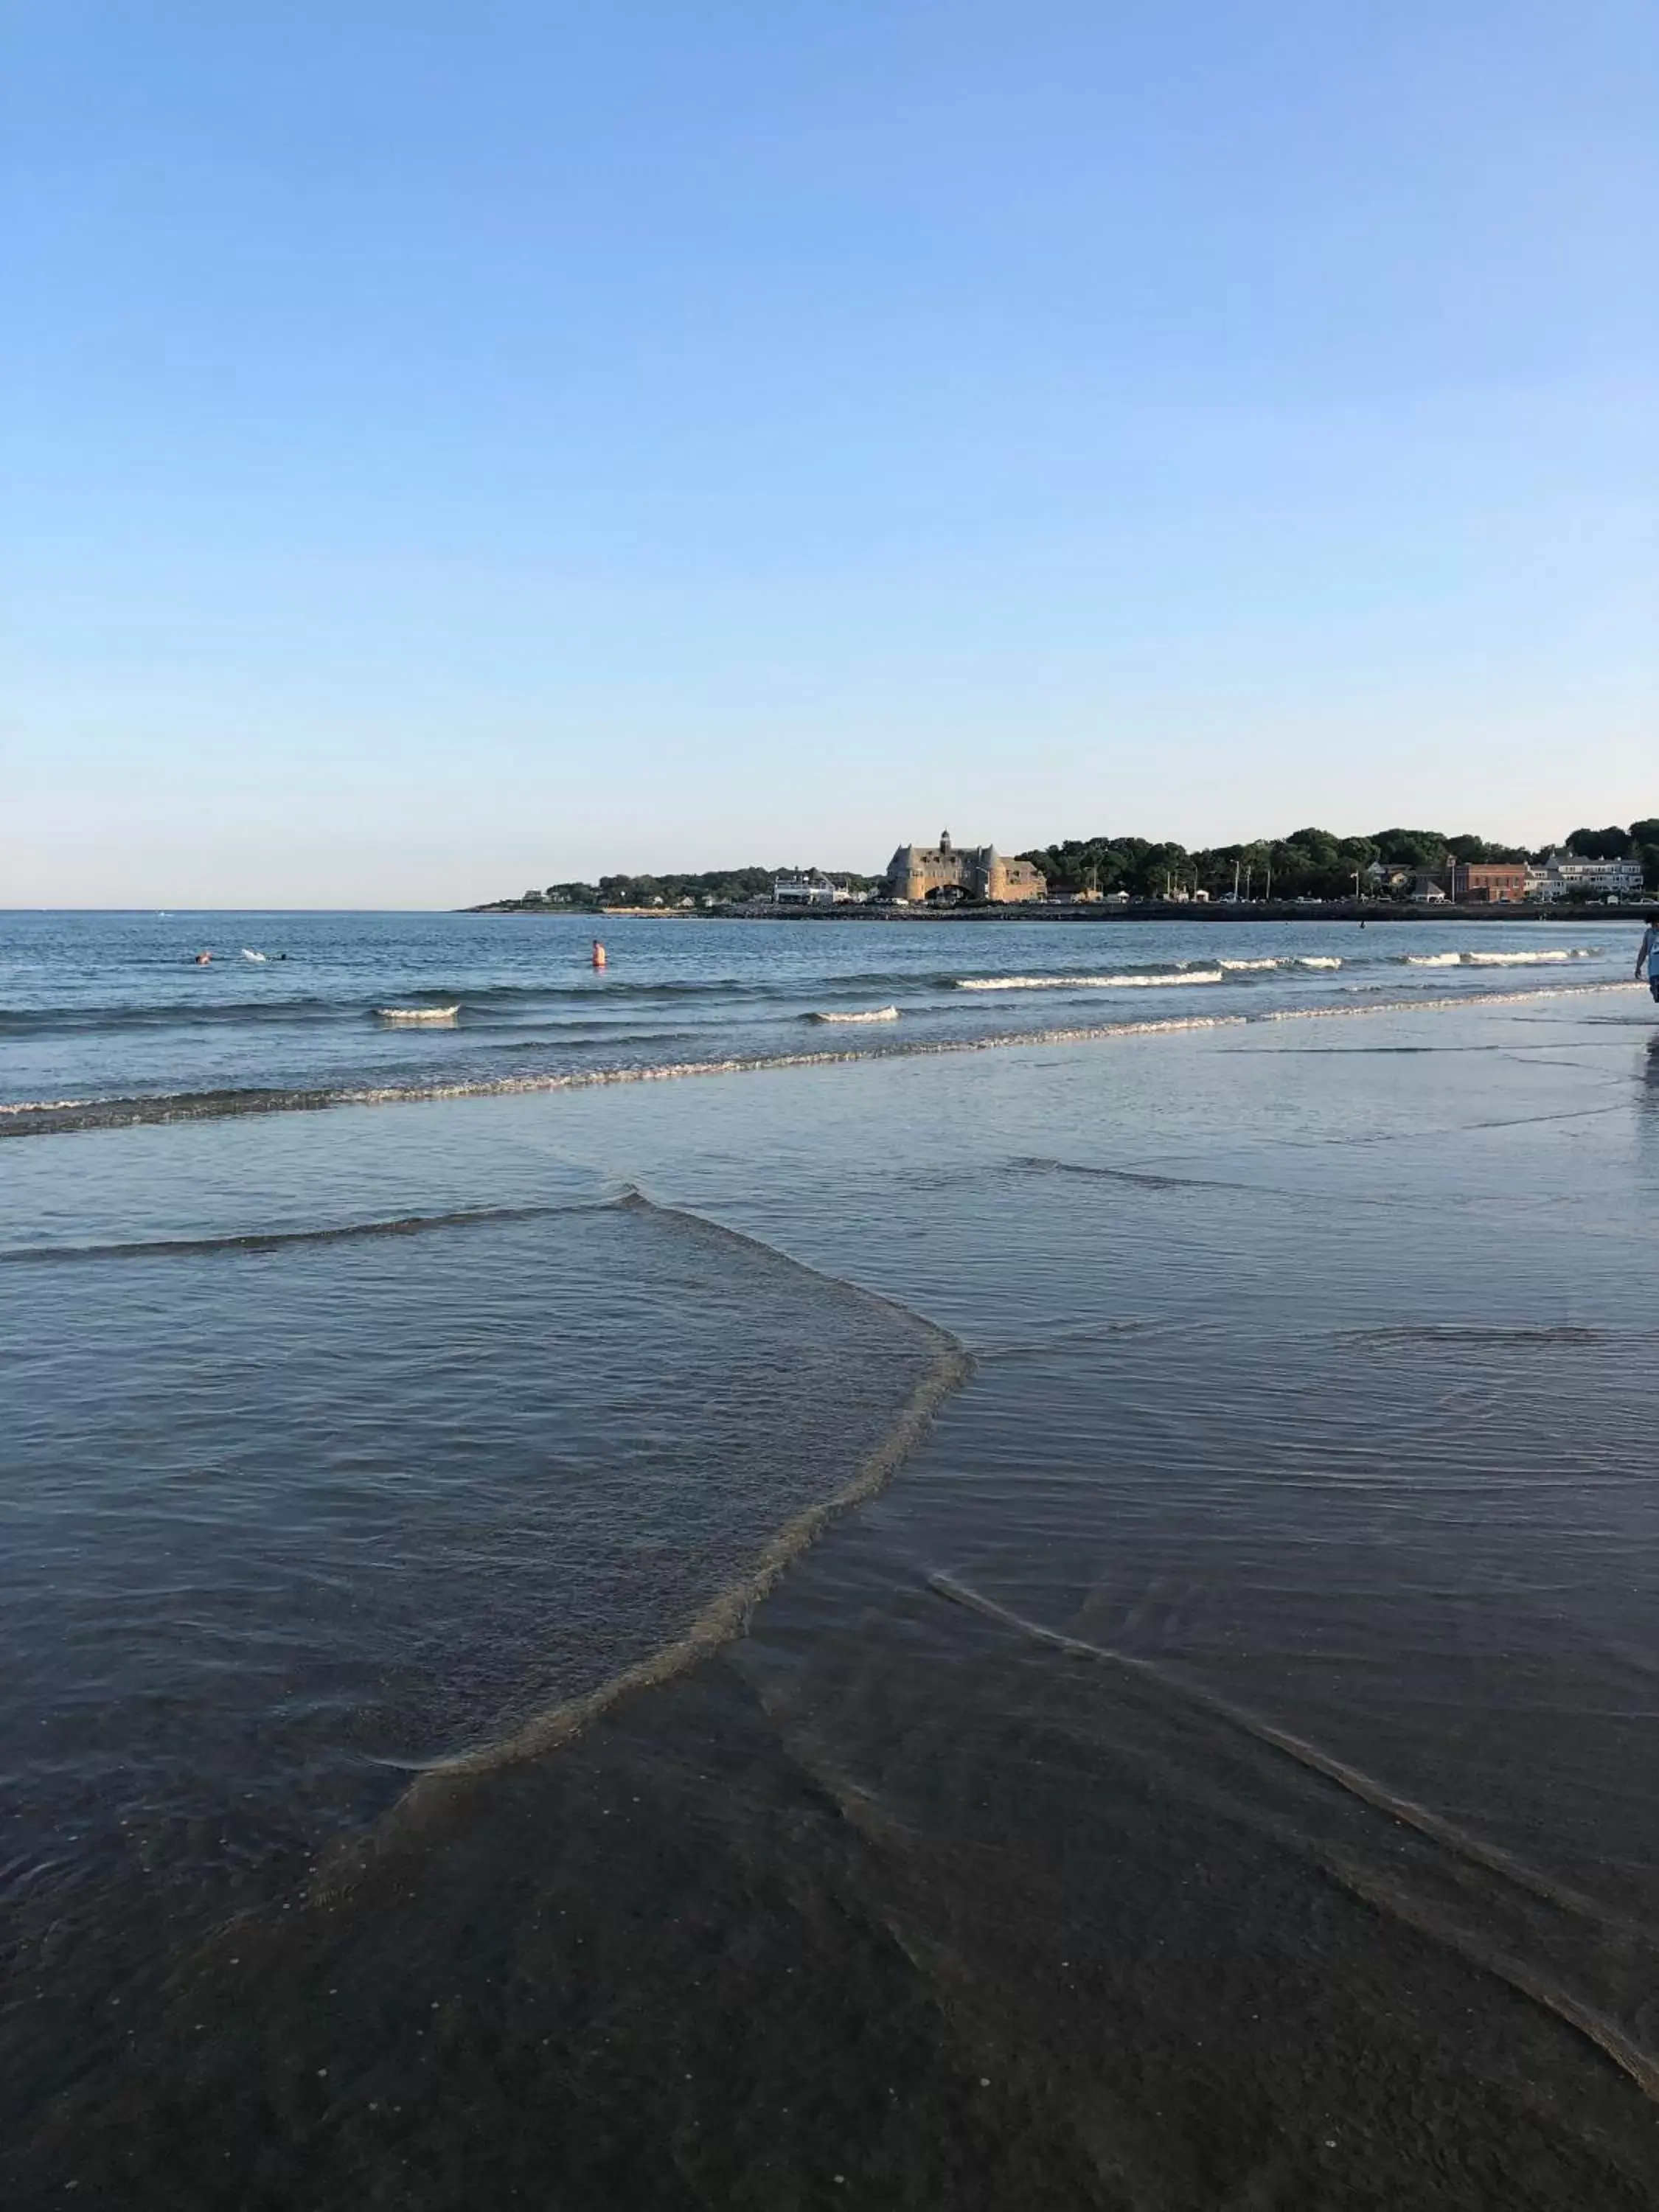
1489,883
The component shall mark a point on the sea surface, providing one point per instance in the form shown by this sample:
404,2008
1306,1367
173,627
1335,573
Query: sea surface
1068,1625
107,1017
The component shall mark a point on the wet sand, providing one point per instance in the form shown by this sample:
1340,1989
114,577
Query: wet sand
1218,1769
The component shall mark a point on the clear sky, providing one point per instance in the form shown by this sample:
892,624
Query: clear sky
452,447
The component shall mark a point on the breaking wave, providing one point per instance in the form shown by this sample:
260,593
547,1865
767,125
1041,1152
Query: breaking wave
1088,982
871,1014
42,1117
1530,959
44,1105
493,1002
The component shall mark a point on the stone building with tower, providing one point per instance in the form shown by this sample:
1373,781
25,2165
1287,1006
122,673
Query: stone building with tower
944,872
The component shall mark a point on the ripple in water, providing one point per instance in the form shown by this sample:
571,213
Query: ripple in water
292,1518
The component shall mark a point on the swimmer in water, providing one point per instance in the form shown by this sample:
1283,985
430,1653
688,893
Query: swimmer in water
598,954
1647,953
205,960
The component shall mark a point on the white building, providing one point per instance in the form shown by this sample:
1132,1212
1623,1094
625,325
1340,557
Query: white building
808,890
1563,873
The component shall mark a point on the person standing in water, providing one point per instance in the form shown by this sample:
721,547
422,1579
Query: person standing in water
598,954
1647,953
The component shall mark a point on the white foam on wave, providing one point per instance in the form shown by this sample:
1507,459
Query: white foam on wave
1451,1002
1094,1033
1088,982
1233,966
428,1014
1553,958
591,1078
1317,960
1433,959
869,1014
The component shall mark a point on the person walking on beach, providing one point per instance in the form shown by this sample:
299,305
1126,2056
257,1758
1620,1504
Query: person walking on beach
1647,953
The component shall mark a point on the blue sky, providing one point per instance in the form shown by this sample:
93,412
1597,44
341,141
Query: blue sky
453,448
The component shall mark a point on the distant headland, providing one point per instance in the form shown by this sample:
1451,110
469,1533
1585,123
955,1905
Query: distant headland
1392,871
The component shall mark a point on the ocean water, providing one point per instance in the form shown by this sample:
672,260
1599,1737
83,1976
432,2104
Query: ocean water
1071,1625
106,1018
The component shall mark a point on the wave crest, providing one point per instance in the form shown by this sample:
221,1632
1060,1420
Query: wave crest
1088,982
1551,958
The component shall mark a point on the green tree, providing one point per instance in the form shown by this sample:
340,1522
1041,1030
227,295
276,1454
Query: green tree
1411,848
1610,844
1644,846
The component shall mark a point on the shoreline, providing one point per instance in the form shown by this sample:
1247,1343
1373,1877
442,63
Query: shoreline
1046,910
1129,1769
89,1116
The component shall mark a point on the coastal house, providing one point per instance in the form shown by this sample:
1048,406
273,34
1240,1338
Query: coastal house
808,890
942,873
1565,873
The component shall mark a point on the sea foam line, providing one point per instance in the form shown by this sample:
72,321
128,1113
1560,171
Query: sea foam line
188,1106
1494,1857
727,1616
272,1240
126,1113
1448,1004
1552,956
1608,2036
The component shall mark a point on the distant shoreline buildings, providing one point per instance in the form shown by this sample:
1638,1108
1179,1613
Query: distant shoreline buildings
1514,883
814,890
1390,872
943,874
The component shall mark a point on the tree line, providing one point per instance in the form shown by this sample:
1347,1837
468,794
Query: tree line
724,886
1309,863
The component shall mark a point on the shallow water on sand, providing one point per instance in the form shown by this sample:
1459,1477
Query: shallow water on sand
1218,1769
302,1515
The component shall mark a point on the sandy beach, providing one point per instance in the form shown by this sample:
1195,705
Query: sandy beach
1211,1765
